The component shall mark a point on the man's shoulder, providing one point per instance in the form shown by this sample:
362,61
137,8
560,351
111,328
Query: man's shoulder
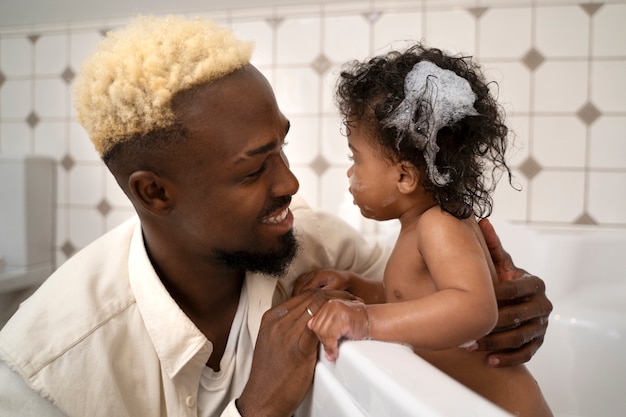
80,297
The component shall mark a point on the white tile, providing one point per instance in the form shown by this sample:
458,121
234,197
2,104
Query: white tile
607,197
505,33
51,55
15,99
80,146
50,139
15,140
117,217
302,139
270,74
609,31
16,57
452,31
309,184
61,232
334,187
557,196
51,98
86,185
63,176
509,84
562,31
518,147
334,144
85,226
114,194
609,85
298,41
297,90
395,31
511,202
346,209
329,83
82,45
561,86
346,37
559,141
261,34
608,143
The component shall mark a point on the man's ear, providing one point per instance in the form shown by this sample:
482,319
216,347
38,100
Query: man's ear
150,191
408,179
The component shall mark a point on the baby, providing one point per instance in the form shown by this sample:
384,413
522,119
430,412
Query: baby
428,143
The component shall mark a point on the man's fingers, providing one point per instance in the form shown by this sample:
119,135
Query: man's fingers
515,338
513,358
524,286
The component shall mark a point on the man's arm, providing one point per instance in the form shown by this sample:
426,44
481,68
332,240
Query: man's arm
18,400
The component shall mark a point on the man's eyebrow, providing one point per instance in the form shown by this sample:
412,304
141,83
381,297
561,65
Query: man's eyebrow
270,146
261,150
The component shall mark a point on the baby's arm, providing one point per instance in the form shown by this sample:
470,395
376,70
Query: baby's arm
463,305
368,290
463,308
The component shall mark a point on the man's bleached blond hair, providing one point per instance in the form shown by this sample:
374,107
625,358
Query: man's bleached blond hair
125,87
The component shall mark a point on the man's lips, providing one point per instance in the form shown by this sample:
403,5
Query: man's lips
276,217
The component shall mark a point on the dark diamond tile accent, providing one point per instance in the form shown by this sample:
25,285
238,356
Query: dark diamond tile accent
321,64
591,8
104,207
319,165
32,120
372,17
68,249
33,38
530,168
274,22
68,75
585,219
67,163
477,12
2,79
533,59
588,113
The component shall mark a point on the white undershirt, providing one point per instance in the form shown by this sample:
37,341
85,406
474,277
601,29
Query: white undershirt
217,389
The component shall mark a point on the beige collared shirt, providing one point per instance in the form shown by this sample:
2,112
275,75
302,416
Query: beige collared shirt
103,337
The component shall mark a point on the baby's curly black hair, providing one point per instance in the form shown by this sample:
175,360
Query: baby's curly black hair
470,149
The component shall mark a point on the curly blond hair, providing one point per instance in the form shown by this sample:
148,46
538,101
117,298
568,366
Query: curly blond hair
125,87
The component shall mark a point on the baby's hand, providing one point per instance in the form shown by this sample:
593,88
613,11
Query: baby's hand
325,279
338,320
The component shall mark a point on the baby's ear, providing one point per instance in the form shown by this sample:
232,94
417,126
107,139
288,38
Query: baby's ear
408,179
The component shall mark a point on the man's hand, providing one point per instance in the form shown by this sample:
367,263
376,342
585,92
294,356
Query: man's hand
284,357
523,309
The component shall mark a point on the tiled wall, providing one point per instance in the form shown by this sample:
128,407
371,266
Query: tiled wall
560,67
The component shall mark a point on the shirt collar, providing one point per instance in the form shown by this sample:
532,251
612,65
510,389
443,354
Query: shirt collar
174,336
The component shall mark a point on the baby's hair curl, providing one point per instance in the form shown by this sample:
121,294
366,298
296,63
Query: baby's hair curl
124,89
469,150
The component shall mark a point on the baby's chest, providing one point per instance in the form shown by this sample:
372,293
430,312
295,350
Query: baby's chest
407,279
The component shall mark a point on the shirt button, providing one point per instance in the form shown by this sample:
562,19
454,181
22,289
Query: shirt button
190,401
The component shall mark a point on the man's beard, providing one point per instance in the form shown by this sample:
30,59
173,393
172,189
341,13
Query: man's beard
273,263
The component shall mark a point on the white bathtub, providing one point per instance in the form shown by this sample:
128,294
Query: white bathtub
581,366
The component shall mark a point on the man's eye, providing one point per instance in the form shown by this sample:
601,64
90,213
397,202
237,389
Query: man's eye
257,172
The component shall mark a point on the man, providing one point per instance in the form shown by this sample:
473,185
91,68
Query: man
181,311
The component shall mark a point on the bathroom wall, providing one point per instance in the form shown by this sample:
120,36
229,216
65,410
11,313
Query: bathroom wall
559,67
